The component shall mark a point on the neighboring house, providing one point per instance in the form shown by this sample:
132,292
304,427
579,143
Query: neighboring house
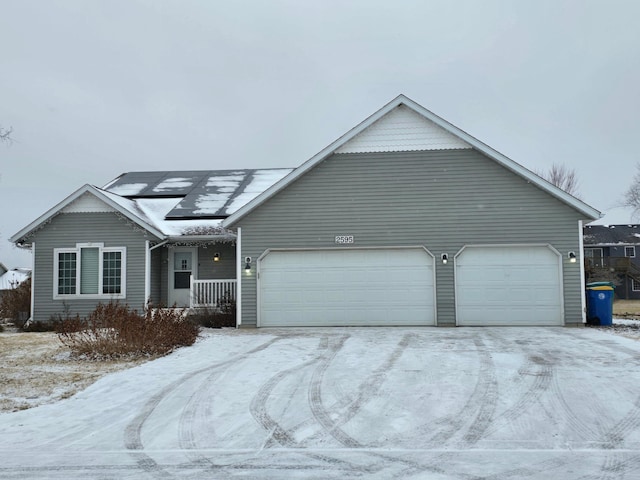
145,237
10,279
612,253
404,220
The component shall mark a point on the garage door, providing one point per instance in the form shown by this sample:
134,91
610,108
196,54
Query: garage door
508,285
346,287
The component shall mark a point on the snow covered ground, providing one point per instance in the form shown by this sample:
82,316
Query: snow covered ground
464,403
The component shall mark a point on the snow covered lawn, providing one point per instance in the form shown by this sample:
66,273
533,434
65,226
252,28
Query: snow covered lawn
35,368
464,403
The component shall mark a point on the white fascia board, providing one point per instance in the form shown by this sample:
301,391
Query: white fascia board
74,196
503,160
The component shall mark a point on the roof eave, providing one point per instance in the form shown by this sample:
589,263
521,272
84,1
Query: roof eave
18,238
199,238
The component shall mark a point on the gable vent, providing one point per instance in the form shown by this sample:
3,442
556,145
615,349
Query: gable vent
402,130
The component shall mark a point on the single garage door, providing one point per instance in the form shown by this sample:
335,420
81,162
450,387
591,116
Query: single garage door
508,285
386,286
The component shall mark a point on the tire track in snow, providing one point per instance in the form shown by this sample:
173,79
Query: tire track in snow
372,385
543,373
629,423
133,431
585,429
616,465
282,436
315,397
488,396
486,386
258,407
482,400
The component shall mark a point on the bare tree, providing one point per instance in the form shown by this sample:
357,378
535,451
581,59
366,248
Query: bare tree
562,177
5,135
631,197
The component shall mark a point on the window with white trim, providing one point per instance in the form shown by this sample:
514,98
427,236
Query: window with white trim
630,252
635,285
90,270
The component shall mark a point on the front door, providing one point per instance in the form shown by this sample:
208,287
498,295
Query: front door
183,263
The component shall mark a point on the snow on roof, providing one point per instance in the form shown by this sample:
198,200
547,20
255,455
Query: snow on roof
11,279
209,193
128,189
156,210
262,179
611,235
171,184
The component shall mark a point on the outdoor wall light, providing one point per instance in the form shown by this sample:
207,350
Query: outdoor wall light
445,258
247,264
572,257
216,257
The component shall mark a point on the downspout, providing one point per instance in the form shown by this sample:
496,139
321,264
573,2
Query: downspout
583,297
147,274
33,283
239,278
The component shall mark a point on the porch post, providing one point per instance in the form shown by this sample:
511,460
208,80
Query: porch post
147,274
239,278
583,297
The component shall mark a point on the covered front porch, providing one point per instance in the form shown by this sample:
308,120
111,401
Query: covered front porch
197,275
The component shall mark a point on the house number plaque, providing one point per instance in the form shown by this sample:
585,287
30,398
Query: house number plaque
344,238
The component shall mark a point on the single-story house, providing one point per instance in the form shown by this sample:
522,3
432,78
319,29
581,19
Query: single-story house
404,220
612,253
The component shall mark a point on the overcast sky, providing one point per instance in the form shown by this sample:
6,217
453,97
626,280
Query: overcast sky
93,89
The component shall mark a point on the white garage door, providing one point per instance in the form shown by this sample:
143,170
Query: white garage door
346,287
509,285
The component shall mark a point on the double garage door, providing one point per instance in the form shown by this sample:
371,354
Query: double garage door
515,285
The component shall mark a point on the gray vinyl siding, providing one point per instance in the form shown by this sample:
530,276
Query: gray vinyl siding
442,200
65,231
156,278
224,269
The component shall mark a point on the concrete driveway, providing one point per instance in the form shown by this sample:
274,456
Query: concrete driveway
464,403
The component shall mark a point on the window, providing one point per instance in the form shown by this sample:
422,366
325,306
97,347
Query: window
630,252
635,285
89,270
594,256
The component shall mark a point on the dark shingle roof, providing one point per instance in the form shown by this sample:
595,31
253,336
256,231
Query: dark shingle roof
200,193
611,235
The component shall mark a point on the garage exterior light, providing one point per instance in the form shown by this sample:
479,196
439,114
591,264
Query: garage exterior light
247,264
572,257
445,258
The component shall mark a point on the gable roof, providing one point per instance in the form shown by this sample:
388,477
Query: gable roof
346,142
609,235
120,205
169,205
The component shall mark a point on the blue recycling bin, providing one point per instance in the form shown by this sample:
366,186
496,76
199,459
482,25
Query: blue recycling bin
600,303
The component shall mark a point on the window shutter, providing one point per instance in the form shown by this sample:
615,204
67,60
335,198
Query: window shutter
89,270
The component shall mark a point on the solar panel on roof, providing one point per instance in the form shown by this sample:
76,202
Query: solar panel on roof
204,194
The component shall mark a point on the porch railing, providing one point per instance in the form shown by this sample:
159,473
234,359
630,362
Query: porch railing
212,293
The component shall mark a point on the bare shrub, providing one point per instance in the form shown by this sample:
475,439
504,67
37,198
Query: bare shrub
114,330
223,315
16,303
